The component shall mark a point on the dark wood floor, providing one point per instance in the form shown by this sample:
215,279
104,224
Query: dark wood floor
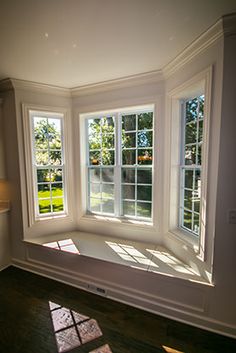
39,315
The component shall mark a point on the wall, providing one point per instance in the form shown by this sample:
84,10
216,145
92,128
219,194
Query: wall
5,253
208,306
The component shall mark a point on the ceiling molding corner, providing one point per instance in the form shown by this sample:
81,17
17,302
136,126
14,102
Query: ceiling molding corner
40,88
203,42
6,85
124,82
229,24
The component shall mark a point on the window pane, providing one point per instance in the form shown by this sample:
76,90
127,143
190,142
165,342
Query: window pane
144,209
41,157
198,180
191,110
55,158
40,133
57,189
128,175
43,175
54,133
108,125
95,205
191,133
144,157
187,220
144,176
43,191
94,174
144,193
201,106
128,192
129,122
108,157
196,201
199,155
188,179
95,158
108,175
145,139
128,208
56,174
129,157
95,190
108,141
200,131
108,206
196,223
188,199
190,155
129,140
145,121
44,206
107,191
57,205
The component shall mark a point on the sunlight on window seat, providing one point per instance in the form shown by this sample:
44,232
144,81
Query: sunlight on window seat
137,255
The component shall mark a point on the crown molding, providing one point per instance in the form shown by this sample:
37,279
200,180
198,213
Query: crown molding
229,24
6,85
203,42
128,81
12,83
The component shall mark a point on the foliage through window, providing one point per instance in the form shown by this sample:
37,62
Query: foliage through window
48,164
120,160
191,166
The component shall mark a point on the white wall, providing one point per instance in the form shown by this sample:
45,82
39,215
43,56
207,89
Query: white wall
207,306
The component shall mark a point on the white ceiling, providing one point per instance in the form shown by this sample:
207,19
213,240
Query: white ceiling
72,43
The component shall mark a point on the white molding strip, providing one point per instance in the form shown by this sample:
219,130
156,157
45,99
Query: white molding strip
171,312
12,83
203,42
5,266
129,81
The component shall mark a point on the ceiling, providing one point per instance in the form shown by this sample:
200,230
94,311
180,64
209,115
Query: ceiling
71,43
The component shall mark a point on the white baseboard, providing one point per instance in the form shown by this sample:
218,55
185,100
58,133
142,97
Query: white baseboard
128,297
5,266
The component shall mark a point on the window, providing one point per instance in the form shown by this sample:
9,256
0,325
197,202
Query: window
191,164
48,163
119,164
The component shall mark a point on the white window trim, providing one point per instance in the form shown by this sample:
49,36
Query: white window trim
27,109
122,226
199,84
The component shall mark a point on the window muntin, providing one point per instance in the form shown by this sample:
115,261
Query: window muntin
48,164
191,164
120,158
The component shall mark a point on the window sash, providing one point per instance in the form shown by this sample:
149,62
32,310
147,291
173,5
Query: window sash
51,199
118,167
195,216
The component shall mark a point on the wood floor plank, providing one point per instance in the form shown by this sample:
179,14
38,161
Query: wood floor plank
26,322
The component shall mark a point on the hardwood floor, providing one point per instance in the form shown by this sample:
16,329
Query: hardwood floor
39,315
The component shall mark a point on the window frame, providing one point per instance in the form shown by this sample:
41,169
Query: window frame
199,84
35,167
118,161
48,111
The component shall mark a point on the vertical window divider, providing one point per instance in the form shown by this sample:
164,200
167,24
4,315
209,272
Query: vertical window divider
117,167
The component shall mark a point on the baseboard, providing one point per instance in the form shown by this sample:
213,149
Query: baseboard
141,303
5,266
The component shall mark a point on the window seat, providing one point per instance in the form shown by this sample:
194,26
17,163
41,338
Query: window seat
143,256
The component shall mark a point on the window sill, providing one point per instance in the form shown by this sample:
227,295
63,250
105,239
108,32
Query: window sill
185,238
118,221
138,255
